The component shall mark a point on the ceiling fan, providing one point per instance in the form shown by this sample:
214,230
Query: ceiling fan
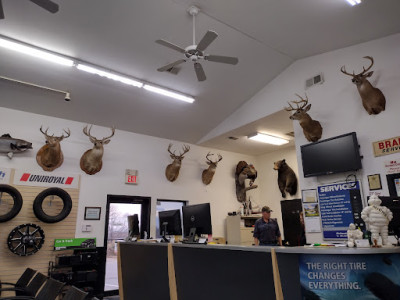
48,5
195,53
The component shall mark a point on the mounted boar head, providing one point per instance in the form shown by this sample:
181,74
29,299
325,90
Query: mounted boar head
208,174
92,159
372,98
50,156
312,129
172,170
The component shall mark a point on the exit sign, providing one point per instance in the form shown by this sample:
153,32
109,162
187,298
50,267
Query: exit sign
131,176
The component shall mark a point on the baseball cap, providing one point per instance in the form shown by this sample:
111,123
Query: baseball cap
266,209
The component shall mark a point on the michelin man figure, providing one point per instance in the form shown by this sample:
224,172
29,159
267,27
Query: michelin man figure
378,218
352,235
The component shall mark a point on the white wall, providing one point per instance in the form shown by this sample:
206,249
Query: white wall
128,151
336,104
268,180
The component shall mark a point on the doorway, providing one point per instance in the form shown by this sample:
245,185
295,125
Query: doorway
117,229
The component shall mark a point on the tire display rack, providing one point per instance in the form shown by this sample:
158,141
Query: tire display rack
78,269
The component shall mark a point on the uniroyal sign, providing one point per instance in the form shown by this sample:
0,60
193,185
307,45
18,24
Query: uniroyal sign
388,146
46,179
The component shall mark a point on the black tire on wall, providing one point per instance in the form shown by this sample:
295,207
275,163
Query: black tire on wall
38,209
13,192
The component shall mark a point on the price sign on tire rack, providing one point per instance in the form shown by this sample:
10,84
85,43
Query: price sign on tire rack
46,179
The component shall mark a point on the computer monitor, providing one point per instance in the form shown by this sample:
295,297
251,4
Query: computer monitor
170,223
196,220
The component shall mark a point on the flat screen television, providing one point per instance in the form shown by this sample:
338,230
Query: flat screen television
335,155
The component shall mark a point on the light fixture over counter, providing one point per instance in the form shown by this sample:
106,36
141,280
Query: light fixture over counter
268,139
53,57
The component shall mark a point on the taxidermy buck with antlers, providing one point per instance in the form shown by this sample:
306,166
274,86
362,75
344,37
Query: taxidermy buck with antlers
172,170
208,174
312,129
50,156
372,98
92,159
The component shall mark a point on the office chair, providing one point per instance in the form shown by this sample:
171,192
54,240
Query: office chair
74,293
22,282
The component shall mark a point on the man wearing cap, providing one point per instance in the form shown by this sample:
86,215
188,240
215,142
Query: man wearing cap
266,230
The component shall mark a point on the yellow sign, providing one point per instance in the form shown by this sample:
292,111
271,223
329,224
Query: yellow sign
388,146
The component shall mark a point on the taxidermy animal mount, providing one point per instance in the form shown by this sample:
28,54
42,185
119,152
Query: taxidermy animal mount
92,159
372,98
10,146
208,174
287,180
244,171
50,156
312,129
172,170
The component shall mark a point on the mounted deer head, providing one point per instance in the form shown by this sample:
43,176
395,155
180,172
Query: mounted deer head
50,156
208,174
312,129
172,170
372,98
91,160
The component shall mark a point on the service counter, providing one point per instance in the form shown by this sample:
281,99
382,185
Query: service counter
191,272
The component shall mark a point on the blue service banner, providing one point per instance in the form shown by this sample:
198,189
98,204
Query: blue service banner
350,277
336,209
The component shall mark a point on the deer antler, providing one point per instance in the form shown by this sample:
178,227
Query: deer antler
209,154
169,150
219,157
112,134
343,69
305,101
45,133
186,149
68,132
372,63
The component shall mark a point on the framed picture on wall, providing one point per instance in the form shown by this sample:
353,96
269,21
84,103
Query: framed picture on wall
309,196
374,182
92,213
393,181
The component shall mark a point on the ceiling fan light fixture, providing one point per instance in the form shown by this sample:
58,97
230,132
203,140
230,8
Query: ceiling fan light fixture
268,139
109,75
168,93
35,52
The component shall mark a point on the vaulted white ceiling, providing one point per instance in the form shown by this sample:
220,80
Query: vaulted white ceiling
266,35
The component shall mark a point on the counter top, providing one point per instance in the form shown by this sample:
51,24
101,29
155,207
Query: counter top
289,250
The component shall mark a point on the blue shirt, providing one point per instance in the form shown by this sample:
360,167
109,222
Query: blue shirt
267,232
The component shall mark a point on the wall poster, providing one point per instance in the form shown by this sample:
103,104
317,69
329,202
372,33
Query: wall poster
350,277
312,220
340,205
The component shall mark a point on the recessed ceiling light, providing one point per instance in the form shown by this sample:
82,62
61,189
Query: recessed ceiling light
354,2
35,52
268,139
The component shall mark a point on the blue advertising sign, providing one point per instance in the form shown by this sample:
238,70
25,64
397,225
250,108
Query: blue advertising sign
350,277
340,204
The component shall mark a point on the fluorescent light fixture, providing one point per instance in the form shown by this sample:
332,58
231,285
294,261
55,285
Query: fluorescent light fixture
354,2
268,139
109,75
36,52
168,93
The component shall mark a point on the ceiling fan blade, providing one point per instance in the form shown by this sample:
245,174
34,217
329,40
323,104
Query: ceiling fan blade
207,39
171,65
48,5
222,59
1,11
170,45
201,76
